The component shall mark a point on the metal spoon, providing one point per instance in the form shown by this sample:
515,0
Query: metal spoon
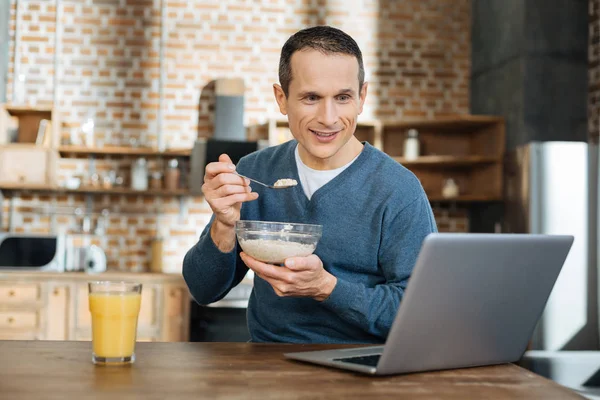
264,184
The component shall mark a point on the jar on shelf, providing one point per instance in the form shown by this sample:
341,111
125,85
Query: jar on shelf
94,180
411,145
156,180
107,182
172,175
119,181
450,189
139,174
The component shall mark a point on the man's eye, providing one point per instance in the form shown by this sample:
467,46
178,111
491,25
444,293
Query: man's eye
344,97
312,98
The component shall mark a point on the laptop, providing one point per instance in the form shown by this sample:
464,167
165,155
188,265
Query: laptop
472,300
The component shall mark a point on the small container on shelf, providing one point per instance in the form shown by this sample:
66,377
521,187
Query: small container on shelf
450,189
118,181
73,183
172,175
156,180
94,180
87,127
139,175
411,145
107,182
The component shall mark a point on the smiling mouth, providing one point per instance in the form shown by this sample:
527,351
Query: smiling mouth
323,134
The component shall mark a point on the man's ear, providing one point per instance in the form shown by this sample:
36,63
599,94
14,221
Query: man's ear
280,98
363,96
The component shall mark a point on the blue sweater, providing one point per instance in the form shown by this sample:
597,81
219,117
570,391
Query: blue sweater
375,216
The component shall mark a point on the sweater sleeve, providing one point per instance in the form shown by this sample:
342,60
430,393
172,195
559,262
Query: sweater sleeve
373,309
208,272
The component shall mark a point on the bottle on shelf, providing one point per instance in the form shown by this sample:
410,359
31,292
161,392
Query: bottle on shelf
139,175
411,145
102,223
156,180
87,127
172,175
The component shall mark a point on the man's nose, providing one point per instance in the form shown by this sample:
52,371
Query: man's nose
328,113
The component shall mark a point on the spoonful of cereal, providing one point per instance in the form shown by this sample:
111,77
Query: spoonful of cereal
280,184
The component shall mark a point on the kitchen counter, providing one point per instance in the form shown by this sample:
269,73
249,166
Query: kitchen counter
63,370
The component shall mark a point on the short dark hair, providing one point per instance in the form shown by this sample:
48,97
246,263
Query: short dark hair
325,39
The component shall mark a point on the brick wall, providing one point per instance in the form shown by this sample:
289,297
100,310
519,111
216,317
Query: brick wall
109,67
594,71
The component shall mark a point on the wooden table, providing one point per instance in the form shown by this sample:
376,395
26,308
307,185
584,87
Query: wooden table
63,370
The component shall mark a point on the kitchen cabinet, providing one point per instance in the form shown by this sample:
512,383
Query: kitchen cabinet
30,161
27,157
116,155
25,121
54,306
467,149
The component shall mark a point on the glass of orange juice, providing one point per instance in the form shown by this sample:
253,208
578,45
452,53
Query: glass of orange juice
114,307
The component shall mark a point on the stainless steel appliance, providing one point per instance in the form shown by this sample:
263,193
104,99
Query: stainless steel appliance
32,252
552,188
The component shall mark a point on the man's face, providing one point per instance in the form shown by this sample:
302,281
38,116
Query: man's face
322,106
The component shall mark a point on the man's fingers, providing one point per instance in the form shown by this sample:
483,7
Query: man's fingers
215,168
224,158
228,190
303,263
262,269
224,178
229,201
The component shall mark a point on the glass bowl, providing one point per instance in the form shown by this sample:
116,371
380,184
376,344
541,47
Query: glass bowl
273,242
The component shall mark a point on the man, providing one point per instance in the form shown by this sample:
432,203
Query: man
374,212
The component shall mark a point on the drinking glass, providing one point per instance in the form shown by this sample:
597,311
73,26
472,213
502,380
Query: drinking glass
115,307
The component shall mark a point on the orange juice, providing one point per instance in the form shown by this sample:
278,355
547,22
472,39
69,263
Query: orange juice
114,323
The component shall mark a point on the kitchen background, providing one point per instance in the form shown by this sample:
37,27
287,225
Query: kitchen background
124,79
144,71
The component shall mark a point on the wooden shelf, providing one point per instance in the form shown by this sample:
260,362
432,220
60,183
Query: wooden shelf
128,191
18,186
469,149
92,190
15,110
447,161
118,150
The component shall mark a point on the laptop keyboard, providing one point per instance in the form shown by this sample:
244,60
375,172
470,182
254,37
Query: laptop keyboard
370,361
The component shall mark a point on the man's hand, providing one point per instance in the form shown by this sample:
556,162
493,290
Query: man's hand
225,192
301,276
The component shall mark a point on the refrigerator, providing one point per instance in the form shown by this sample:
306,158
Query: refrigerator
552,188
